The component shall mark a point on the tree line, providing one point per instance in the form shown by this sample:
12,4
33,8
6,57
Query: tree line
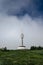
36,48
31,48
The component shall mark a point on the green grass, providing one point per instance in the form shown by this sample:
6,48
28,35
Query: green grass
21,57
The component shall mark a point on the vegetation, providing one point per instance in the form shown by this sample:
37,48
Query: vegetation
21,57
36,48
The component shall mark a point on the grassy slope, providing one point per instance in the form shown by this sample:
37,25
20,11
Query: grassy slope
21,57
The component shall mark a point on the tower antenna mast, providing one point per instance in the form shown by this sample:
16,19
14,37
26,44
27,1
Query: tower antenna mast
22,36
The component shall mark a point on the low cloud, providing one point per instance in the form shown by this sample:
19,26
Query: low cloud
11,28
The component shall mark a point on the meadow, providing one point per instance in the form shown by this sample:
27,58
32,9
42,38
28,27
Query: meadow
21,57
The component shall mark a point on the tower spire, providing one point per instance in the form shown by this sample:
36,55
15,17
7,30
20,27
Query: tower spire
22,46
22,36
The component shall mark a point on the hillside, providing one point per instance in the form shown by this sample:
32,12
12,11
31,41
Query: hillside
21,57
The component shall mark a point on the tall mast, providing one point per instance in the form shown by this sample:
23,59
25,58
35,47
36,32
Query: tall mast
22,36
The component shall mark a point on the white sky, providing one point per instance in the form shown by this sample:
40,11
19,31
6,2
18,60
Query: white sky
11,28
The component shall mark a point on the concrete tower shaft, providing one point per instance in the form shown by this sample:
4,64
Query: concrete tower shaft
22,36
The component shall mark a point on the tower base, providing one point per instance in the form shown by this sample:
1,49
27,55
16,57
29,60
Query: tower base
21,47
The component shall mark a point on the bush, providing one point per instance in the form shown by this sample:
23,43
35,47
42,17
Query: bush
7,62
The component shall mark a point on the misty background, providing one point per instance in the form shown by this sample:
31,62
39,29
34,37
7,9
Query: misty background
17,16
